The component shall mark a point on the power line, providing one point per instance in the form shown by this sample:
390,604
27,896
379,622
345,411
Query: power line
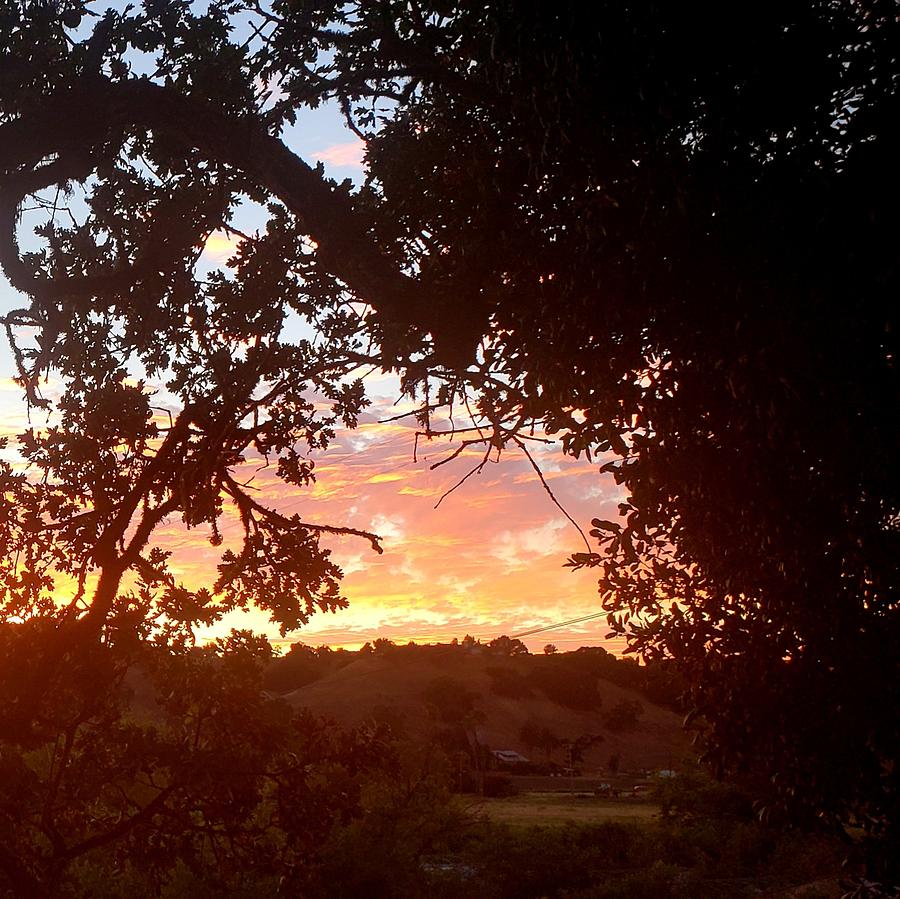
550,627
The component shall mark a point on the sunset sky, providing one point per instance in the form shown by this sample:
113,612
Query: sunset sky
487,561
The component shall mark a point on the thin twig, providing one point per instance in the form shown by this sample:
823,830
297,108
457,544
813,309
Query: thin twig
417,411
550,493
461,448
476,470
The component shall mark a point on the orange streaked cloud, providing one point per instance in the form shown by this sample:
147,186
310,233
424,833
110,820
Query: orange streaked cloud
488,560
386,478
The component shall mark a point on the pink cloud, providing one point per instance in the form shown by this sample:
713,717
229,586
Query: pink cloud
488,561
347,155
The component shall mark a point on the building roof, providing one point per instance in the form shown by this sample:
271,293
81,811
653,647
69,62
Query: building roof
508,755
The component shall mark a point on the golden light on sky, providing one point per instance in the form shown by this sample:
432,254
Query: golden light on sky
488,560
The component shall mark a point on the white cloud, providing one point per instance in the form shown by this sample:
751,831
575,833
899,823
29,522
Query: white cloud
518,549
388,528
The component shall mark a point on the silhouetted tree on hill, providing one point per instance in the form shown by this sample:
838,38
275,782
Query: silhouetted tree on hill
507,646
451,701
537,736
509,682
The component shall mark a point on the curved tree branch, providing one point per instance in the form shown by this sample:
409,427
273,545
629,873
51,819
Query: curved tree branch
96,112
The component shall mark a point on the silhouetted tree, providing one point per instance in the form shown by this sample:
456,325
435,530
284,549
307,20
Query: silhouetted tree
508,682
538,736
564,683
691,242
451,701
507,646
149,759
576,747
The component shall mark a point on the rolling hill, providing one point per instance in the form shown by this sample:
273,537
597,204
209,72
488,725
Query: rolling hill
423,691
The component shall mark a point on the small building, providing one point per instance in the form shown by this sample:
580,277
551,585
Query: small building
508,759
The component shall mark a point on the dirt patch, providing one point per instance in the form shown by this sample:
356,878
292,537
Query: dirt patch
537,808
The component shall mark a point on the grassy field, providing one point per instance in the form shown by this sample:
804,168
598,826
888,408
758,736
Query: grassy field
557,809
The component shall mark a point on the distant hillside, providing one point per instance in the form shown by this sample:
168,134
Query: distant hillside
509,700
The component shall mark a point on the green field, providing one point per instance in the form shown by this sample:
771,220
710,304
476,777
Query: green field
557,809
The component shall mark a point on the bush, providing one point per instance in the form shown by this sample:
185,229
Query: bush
509,683
451,700
695,795
623,715
565,685
301,666
499,786
659,881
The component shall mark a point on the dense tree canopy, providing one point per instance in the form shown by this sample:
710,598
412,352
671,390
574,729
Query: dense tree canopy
677,250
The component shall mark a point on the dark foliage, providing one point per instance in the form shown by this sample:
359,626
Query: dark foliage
170,764
509,683
535,735
694,796
301,666
623,715
717,859
691,242
573,689
451,701
677,253
507,646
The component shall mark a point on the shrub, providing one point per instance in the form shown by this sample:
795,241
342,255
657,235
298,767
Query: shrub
509,683
623,715
499,786
695,795
450,699
564,684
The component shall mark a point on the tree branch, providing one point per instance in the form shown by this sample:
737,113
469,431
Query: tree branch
95,111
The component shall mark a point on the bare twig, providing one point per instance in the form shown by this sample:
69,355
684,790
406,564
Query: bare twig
476,470
550,493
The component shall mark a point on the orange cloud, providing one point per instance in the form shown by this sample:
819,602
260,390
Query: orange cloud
487,561
386,478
